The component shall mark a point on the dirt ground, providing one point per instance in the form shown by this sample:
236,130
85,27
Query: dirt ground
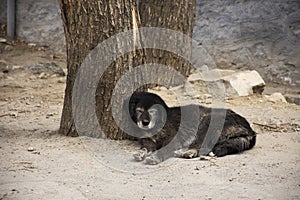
37,163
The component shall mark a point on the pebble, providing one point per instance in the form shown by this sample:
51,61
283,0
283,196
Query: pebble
30,149
32,77
61,80
205,157
43,75
49,115
3,40
32,44
13,114
38,105
211,154
198,96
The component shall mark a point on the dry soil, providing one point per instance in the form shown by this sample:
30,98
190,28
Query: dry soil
37,163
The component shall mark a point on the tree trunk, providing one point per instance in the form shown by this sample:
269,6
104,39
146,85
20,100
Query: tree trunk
178,15
86,24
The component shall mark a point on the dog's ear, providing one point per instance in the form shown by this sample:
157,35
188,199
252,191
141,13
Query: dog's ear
162,113
130,106
158,100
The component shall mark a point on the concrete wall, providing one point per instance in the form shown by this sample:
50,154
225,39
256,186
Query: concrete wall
237,34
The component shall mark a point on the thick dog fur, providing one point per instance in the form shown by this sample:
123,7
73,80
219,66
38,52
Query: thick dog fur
167,138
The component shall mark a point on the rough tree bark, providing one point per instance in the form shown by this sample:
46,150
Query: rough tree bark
86,24
178,15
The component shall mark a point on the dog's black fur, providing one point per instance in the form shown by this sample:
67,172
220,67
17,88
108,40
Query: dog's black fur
234,136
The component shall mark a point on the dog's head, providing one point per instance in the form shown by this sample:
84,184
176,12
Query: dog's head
147,110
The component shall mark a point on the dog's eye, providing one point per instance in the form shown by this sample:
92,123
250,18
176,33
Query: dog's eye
152,111
139,110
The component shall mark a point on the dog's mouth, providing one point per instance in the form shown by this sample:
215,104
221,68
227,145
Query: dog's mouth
146,124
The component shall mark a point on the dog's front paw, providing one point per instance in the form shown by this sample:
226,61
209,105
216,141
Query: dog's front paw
186,153
141,155
153,160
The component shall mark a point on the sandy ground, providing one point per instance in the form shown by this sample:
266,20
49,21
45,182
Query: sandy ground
37,163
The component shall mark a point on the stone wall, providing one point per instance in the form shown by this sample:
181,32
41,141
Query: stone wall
238,34
37,21
3,12
252,34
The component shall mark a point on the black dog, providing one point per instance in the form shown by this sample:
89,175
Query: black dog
187,131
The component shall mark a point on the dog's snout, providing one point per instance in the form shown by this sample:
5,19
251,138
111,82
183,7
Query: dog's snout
145,122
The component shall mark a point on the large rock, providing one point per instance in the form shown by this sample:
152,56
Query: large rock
236,84
245,83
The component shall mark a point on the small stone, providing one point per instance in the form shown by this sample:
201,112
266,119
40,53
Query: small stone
61,80
38,105
30,149
198,96
32,77
32,44
276,97
43,75
49,115
211,154
13,114
205,157
3,40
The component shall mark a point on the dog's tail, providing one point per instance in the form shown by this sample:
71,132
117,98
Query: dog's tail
252,141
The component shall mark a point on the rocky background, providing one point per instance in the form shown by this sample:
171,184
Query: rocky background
39,22
256,34
263,35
